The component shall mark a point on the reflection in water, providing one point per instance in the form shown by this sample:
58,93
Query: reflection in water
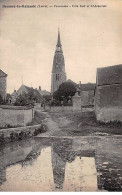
59,165
61,153
81,175
38,177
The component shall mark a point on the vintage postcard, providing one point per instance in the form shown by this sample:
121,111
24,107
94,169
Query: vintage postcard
60,95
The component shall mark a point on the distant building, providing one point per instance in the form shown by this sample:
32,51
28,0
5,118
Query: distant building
84,97
25,90
58,69
87,94
43,92
3,77
108,95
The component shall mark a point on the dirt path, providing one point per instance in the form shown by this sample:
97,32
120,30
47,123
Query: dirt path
62,124
50,125
54,128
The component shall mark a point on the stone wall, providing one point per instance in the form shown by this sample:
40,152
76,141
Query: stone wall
28,116
13,116
108,103
61,109
18,133
3,87
70,109
87,98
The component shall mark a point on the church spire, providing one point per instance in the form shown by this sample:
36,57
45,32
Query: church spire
58,40
58,69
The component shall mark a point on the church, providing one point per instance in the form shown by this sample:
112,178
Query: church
58,69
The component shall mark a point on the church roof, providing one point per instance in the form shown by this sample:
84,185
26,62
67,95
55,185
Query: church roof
2,74
109,75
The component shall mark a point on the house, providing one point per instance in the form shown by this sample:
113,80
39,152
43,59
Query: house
43,92
3,78
86,93
26,90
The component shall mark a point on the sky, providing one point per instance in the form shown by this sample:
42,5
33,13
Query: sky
91,38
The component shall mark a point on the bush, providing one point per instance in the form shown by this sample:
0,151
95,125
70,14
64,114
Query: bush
55,103
114,123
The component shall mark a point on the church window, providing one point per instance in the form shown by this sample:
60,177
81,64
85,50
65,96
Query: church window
57,77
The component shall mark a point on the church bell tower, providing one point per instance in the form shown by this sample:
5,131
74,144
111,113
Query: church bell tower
58,69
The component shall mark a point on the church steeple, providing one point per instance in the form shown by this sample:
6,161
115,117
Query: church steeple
58,40
58,69
59,46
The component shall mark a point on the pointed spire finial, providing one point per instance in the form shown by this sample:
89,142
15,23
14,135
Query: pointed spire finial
59,40
22,79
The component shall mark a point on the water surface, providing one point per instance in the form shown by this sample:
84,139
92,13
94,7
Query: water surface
55,164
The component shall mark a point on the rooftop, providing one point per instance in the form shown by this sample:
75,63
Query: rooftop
2,74
84,87
109,75
88,86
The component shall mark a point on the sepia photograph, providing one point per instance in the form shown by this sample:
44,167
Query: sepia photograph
60,96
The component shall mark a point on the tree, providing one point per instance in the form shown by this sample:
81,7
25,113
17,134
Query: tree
65,91
28,99
23,100
2,101
57,95
47,97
